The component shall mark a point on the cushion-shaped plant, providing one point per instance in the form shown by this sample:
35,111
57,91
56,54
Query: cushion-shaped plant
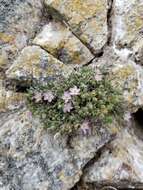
80,101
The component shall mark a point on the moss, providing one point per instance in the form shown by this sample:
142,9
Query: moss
97,102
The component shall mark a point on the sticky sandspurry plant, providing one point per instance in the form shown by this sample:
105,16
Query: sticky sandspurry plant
80,101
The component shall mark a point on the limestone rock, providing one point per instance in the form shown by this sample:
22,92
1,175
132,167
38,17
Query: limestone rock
138,50
19,21
33,158
121,164
57,39
128,77
125,75
34,63
10,100
87,19
127,23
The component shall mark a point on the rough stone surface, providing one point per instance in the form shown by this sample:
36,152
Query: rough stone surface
36,64
87,19
31,158
128,24
19,21
125,75
57,39
121,164
128,77
10,100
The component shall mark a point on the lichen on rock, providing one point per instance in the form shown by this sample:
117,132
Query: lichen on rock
36,64
57,39
120,165
87,19
34,158
105,35
10,100
19,20
127,23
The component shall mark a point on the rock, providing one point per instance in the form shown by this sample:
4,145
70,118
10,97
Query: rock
125,75
138,50
3,59
121,164
57,39
88,19
127,23
34,63
129,79
33,158
10,100
19,21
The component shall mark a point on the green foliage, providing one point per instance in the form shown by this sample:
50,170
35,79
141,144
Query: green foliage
84,96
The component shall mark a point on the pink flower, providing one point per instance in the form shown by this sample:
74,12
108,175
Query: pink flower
48,96
38,97
85,128
67,107
74,91
66,97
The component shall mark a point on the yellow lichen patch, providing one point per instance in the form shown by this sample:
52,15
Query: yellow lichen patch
57,39
10,100
79,10
139,22
6,38
31,59
35,63
134,22
124,72
87,19
3,59
13,98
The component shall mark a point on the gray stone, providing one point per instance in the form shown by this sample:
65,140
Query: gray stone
125,75
33,158
127,21
87,19
57,39
10,100
36,64
121,163
19,20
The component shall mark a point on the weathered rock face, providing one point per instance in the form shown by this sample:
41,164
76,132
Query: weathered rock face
31,158
128,24
57,39
36,64
125,75
87,19
121,163
18,22
10,100
127,21
111,33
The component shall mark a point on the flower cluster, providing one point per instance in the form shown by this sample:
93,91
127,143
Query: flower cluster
81,100
46,96
67,97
